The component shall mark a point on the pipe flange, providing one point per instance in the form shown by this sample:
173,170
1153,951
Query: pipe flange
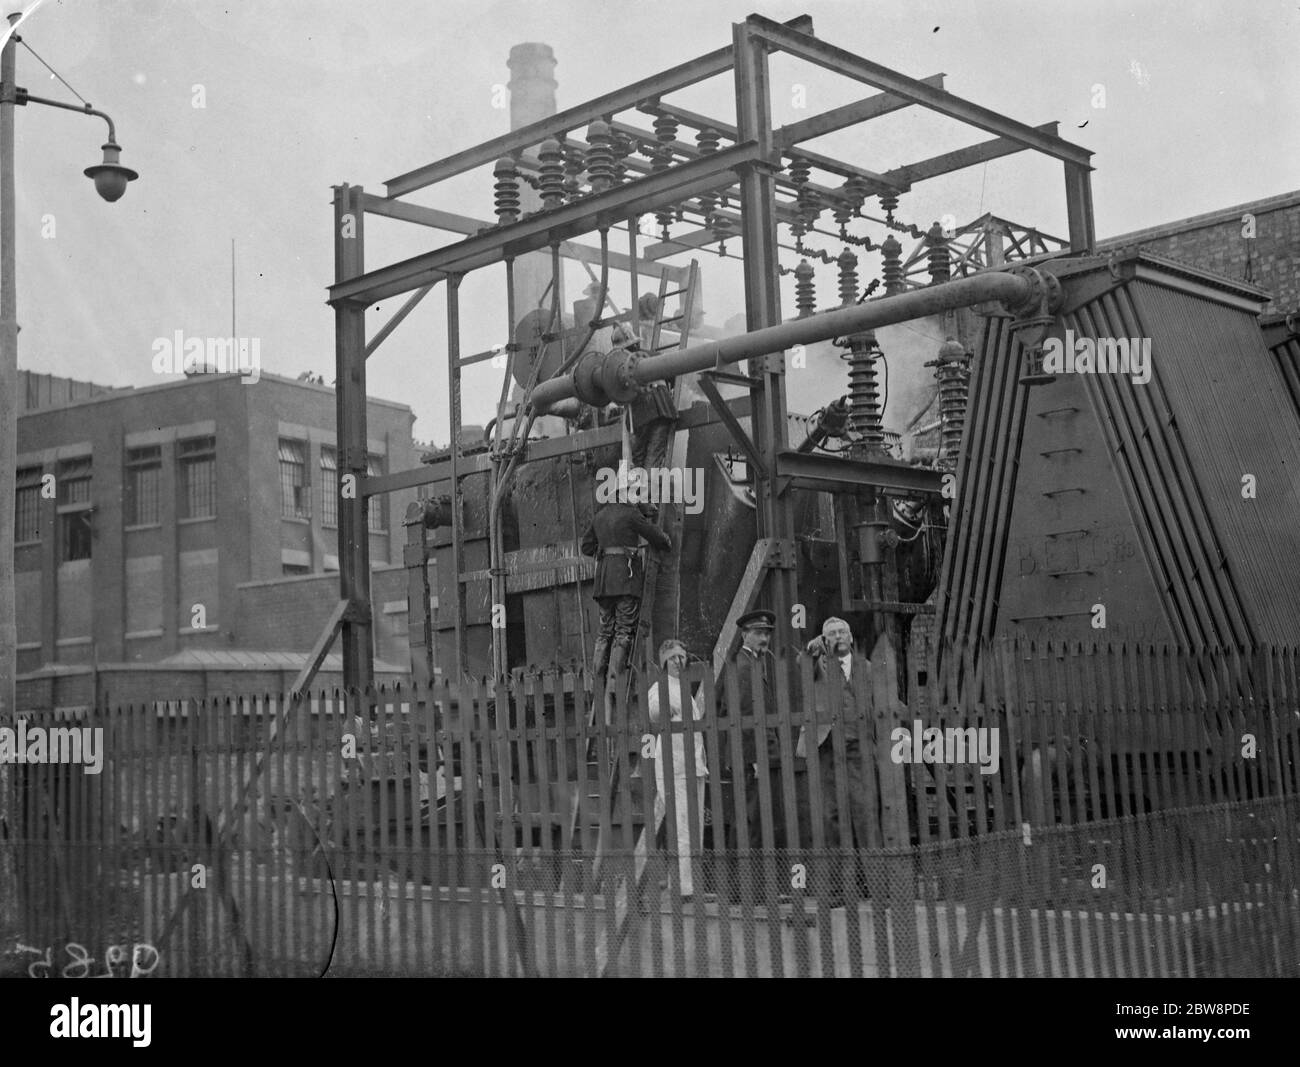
1044,296
587,379
617,378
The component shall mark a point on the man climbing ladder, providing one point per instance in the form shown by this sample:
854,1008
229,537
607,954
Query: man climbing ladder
614,538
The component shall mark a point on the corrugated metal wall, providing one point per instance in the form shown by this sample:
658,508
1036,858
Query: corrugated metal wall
1097,489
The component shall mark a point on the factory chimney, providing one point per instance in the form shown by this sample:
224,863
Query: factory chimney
532,97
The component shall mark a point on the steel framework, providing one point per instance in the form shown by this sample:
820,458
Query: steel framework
751,171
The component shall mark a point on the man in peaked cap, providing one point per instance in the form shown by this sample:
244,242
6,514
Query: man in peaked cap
755,683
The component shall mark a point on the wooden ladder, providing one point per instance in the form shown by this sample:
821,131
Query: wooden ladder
627,893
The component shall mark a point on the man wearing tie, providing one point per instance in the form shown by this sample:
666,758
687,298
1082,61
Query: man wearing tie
848,712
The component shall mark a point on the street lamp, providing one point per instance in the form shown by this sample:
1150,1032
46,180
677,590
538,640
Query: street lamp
111,179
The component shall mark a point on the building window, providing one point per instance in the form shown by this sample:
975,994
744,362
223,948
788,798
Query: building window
143,474
329,486
378,512
75,509
295,570
294,501
198,464
27,505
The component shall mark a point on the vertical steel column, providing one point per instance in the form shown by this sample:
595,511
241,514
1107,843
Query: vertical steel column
496,544
1078,206
457,524
763,299
350,411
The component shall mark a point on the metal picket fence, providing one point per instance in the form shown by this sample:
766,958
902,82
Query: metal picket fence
1026,811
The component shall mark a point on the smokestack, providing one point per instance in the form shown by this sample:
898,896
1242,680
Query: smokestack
532,83
532,98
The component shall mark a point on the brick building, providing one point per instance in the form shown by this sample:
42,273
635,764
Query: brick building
1221,241
190,526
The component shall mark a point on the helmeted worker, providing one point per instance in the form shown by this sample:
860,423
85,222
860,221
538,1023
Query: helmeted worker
653,412
614,538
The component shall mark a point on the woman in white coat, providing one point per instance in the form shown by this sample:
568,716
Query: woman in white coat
689,773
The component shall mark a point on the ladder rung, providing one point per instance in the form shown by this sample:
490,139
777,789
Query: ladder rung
675,318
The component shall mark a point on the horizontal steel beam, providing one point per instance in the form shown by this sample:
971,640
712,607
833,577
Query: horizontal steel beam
839,118
864,70
1012,289
699,414
469,226
964,157
679,77
826,163
809,470
546,227
668,81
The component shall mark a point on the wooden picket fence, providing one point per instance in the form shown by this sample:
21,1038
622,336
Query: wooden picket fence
1139,819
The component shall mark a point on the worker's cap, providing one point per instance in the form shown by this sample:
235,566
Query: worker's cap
757,620
670,647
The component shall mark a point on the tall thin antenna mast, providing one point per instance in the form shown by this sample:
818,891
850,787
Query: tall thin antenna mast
233,332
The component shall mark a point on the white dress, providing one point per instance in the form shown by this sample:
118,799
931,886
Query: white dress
686,773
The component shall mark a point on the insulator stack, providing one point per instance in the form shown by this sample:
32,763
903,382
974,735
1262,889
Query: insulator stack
848,267
506,190
800,171
939,258
952,371
844,214
864,397
706,141
574,164
889,204
722,229
891,265
665,127
622,145
805,292
857,189
600,157
551,174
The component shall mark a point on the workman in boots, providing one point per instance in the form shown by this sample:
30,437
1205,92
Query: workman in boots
614,538
653,411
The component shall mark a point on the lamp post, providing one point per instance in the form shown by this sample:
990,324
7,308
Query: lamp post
110,179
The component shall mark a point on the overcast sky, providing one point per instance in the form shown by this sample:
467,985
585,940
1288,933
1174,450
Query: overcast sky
1202,105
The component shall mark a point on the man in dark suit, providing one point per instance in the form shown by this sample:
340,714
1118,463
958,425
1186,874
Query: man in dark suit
843,679
614,538
756,683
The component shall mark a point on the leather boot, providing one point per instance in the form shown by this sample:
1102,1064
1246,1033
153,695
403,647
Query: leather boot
613,692
618,661
600,661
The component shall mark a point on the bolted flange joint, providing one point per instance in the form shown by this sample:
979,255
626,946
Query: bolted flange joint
587,380
1034,316
617,376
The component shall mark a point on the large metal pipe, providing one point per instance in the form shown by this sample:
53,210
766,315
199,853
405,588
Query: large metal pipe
1018,290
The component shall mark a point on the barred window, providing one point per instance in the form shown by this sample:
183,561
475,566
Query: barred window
198,467
143,477
75,510
27,504
74,481
329,486
294,500
378,512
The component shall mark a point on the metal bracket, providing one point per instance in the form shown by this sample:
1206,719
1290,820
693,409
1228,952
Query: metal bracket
710,390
